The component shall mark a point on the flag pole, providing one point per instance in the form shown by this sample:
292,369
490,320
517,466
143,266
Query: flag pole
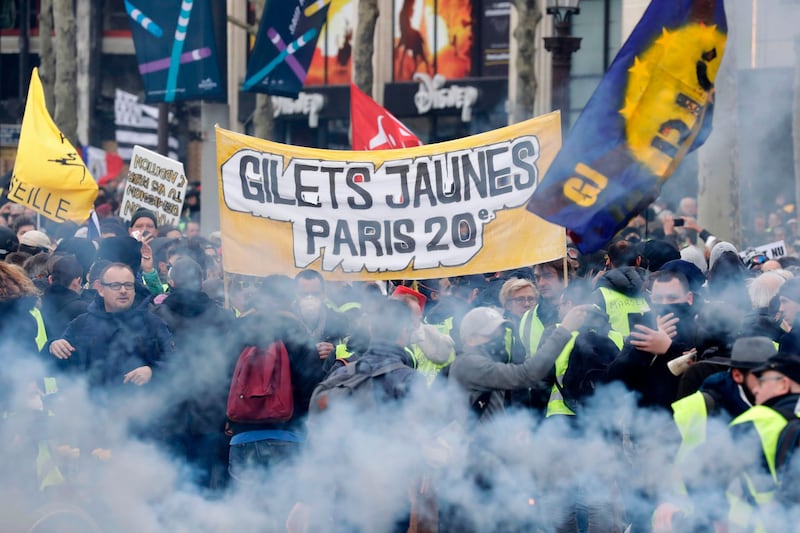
163,129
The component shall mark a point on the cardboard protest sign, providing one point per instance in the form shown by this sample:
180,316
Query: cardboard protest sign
49,175
445,209
157,183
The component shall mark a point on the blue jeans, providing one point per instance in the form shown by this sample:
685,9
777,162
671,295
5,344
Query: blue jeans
254,460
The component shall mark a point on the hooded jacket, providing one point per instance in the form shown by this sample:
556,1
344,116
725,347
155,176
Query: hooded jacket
197,372
619,293
627,280
648,374
109,345
477,372
60,306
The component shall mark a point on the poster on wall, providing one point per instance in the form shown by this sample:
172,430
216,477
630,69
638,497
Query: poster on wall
333,55
433,37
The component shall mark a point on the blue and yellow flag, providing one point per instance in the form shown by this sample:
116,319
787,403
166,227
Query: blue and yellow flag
49,175
653,106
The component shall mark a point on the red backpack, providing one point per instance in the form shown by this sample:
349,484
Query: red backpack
261,389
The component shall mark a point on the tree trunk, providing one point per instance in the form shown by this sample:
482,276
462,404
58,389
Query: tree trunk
528,18
796,123
47,64
364,46
718,181
83,77
66,114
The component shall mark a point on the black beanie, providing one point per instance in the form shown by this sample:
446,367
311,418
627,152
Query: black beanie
143,212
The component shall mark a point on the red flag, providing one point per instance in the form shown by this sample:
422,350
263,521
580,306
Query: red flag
374,128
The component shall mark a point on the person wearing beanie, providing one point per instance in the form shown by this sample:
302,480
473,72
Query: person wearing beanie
143,220
143,228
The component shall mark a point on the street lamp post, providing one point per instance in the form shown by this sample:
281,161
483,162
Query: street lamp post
562,45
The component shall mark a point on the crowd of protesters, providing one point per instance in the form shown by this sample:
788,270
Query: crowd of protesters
691,326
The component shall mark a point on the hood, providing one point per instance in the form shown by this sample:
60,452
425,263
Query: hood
626,280
188,303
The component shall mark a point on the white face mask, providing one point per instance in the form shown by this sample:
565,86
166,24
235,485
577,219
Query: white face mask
310,308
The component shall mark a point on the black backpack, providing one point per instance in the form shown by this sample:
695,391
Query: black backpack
355,384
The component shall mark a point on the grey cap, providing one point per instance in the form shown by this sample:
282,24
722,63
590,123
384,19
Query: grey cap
747,353
480,321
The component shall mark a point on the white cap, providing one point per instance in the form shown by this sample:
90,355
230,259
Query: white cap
480,321
35,239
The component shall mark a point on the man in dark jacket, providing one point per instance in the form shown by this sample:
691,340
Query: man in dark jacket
266,445
61,302
390,333
195,377
325,326
114,343
642,364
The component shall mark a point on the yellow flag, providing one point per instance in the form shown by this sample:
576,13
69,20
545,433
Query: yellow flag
49,175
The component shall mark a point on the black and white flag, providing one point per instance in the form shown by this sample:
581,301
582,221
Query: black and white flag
137,123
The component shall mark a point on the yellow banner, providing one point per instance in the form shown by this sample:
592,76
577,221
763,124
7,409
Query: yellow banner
439,210
49,175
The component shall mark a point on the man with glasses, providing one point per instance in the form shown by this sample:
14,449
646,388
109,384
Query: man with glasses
762,494
115,343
